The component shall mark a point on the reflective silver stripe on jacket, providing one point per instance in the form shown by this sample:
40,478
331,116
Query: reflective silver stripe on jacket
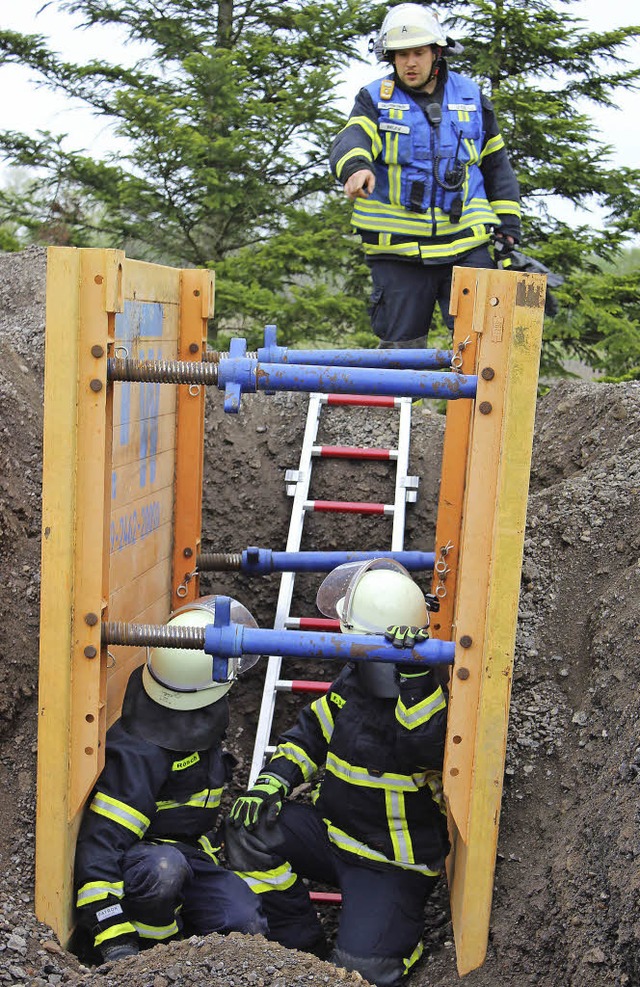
345,842
94,891
120,812
291,752
360,776
415,716
209,798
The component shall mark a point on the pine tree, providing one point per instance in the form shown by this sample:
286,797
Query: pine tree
225,128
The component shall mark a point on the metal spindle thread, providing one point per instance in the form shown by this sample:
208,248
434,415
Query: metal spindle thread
152,635
215,356
220,562
162,371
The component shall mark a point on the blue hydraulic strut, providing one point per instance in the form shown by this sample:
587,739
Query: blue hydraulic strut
240,374
262,561
224,639
412,359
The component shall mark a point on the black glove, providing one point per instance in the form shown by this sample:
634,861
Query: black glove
503,244
117,948
402,636
514,260
250,849
263,800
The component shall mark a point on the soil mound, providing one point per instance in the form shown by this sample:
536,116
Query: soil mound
567,903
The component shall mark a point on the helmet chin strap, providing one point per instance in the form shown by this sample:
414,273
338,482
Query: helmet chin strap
437,62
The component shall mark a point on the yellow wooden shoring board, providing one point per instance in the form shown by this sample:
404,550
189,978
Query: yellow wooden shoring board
454,456
54,856
143,465
126,477
510,322
73,473
84,455
144,590
479,513
122,452
145,282
122,568
88,671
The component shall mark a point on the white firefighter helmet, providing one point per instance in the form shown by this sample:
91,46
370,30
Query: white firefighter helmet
182,678
367,597
410,25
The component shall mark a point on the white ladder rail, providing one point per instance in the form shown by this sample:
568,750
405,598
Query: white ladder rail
406,486
300,491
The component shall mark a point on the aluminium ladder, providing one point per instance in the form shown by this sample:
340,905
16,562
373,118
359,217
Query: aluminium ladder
298,487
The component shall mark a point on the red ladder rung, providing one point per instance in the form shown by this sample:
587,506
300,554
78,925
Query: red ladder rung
326,897
363,400
312,624
301,685
353,452
348,507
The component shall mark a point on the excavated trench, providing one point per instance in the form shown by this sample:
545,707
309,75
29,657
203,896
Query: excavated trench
566,903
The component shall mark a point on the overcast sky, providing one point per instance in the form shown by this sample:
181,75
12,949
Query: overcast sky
27,107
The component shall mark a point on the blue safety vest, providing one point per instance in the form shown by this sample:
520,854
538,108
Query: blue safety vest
408,203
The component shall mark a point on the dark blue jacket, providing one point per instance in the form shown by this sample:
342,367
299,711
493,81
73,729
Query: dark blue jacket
144,792
381,795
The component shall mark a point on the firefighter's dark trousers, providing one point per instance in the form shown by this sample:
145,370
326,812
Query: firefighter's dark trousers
382,915
405,295
159,877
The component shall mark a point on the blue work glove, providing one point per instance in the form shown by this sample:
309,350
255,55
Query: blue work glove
402,636
263,800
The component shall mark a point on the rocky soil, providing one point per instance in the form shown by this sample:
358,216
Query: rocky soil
566,906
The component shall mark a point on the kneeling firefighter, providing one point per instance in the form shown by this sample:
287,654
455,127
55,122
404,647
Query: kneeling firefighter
376,829
146,864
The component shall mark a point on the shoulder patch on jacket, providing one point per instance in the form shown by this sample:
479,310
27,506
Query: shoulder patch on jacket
386,88
336,698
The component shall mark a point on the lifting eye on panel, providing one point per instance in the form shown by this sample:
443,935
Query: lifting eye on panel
182,589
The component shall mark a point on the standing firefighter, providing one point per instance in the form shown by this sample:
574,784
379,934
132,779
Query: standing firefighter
422,159
146,866
376,828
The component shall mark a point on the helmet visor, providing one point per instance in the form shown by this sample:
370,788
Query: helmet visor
335,595
239,615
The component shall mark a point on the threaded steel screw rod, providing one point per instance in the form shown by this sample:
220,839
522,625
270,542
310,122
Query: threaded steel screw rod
152,635
162,371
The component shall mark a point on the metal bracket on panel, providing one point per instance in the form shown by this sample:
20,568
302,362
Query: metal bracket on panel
293,477
411,484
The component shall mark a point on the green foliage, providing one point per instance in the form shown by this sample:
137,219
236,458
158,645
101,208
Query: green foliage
600,320
221,160
9,243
